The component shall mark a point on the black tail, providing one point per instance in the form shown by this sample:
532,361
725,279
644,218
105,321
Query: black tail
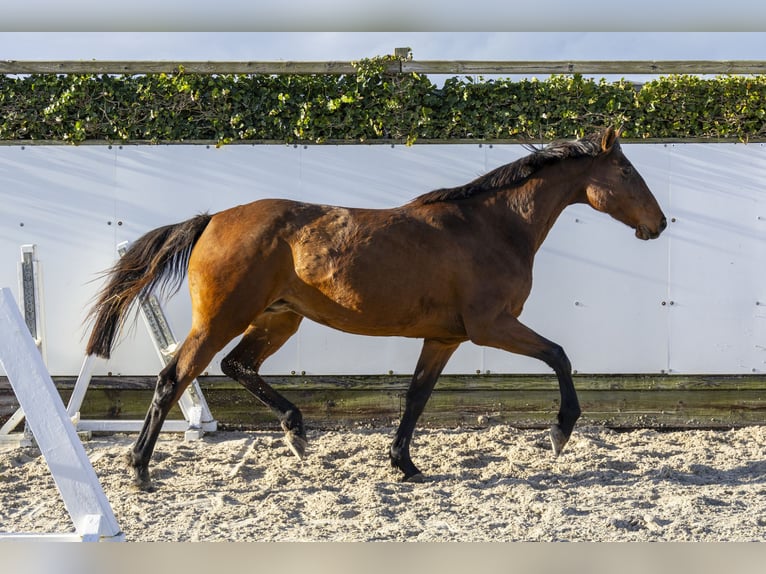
158,258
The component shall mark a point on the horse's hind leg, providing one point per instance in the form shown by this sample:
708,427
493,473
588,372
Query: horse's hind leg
190,359
433,358
263,338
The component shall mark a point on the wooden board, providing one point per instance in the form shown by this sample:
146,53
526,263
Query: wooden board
524,401
449,67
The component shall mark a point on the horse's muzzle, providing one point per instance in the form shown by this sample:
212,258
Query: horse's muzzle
645,233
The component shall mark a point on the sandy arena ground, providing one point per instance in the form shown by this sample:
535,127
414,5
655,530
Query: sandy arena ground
490,484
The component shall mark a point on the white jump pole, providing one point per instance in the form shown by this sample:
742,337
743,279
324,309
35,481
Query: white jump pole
197,417
53,430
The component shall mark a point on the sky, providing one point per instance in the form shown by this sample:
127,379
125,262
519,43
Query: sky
348,46
353,29
383,15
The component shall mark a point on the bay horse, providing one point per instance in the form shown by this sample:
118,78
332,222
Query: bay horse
450,266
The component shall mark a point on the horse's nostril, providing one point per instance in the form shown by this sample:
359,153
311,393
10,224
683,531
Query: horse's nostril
663,224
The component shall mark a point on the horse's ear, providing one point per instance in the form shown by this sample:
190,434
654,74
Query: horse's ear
608,138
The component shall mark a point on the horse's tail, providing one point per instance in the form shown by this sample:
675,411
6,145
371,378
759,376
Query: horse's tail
158,258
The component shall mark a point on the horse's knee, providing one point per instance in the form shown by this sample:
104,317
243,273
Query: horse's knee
229,366
235,368
556,358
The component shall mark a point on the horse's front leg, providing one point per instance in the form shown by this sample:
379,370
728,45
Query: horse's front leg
509,334
433,358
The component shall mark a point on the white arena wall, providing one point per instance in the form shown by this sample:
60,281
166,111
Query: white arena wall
691,302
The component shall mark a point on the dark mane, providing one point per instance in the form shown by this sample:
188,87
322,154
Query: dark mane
515,173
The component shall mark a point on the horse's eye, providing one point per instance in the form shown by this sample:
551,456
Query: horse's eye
627,171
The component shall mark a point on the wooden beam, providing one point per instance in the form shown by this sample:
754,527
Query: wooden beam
592,67
621,401
454,67
168,67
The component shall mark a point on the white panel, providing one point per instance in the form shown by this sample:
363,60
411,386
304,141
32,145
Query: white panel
717,258
77,203
158,185
62,199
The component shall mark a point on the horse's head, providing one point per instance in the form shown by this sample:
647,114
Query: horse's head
616,188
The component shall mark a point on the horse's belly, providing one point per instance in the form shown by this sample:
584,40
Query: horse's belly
384,317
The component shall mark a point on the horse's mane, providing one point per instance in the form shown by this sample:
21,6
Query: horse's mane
515,173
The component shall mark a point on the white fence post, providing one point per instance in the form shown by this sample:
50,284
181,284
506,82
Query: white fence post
53,431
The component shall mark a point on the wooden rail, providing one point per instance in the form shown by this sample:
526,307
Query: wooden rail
434,67
620,401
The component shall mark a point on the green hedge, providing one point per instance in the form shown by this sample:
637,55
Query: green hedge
372,105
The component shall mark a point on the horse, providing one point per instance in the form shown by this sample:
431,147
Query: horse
450,266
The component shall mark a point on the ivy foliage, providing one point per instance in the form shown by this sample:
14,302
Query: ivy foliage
372,104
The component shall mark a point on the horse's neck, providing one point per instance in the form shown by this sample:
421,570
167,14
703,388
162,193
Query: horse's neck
541,200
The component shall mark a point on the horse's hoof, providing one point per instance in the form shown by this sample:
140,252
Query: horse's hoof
558,440
141,486
416,478
141,480
296,443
